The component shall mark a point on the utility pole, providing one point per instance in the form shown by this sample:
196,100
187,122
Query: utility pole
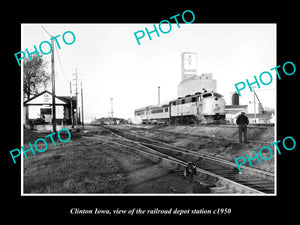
262,108
158,95
53,86
72,121
76,98
79,114
76,94
82,121
254,105
112,112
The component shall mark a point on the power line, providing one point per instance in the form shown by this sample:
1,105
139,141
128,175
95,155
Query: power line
57,56
265,89
62,69
46,30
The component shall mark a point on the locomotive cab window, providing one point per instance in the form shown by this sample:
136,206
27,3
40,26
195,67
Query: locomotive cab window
207,95
188,100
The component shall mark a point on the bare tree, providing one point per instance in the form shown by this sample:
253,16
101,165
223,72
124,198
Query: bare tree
35,76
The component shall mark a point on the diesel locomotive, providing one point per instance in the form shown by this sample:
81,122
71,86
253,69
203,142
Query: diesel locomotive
206,107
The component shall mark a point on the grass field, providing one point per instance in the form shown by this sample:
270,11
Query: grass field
71,169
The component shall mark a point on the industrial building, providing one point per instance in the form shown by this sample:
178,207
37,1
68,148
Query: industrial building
259,115
190,82
37,111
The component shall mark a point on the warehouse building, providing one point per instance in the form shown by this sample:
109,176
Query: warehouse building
37,111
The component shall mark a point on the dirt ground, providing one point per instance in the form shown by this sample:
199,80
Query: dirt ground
223,142
86,166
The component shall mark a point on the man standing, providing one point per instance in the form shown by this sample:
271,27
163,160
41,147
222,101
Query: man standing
242,121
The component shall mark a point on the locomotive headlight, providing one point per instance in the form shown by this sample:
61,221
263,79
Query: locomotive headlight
217,107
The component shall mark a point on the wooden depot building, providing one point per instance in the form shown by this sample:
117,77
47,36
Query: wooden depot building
37,111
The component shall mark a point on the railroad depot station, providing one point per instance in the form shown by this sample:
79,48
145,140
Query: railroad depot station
37,111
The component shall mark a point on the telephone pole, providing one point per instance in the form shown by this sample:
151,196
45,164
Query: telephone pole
72,120
77,113
254,105
82,121
158,95
76,94
53,87
112,112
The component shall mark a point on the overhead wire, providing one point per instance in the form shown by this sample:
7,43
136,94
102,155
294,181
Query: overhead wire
57,54
65,77
62,69
46,30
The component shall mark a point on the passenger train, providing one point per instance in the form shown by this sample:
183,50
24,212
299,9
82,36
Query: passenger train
197,108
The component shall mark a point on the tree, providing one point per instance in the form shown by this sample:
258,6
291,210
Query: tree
35,76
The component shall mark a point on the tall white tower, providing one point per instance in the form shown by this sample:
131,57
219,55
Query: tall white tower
190,82
188,65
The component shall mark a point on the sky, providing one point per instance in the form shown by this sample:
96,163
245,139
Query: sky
111,64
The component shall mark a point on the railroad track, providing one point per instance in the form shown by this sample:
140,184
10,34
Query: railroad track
255,181
196,136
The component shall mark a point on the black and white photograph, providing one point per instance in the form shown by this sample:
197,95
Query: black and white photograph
159,117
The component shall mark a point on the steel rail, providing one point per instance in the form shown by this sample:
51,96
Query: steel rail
206,156
167,157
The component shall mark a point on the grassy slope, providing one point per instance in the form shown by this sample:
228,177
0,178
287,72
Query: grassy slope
69,169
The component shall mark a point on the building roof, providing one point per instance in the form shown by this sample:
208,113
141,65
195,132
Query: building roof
65,99
259,115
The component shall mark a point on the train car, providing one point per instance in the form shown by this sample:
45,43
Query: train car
213,107
153,114
185,110
200,107
142,113
159,113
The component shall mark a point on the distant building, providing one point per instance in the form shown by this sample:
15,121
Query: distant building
261,117
38,110
234,110
190,82
109,120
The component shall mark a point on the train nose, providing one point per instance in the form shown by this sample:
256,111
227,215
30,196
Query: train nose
217,116
217,108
